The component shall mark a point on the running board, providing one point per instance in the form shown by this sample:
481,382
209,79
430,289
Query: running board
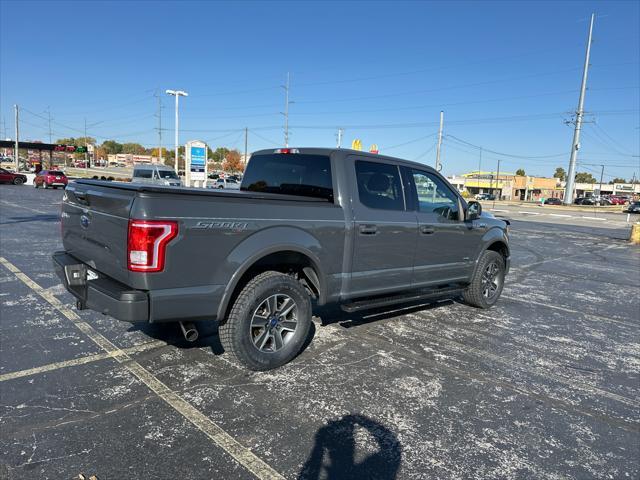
378,302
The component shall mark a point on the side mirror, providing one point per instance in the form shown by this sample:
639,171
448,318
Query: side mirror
474,210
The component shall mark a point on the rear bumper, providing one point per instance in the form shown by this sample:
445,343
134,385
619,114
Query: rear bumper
113,298
103,294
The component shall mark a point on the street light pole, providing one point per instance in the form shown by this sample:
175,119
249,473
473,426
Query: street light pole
177,94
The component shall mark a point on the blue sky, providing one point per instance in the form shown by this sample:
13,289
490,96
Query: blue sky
507,75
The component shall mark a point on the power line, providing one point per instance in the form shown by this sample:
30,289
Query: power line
613,142
502,153
263,138
409,142
451,87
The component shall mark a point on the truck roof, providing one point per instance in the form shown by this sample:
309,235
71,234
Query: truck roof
345,152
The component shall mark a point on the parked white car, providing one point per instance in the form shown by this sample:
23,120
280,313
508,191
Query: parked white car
228,183
156,175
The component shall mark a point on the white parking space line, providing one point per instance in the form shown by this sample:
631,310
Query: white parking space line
593,218
559,215
221,438
80,361
496,210
15,205
531,213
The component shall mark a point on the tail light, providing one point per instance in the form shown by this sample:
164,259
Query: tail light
287,151
146,244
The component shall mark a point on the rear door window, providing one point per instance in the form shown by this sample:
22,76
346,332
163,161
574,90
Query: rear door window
379,185
291,174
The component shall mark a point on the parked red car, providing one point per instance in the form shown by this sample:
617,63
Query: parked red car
616,200
50,178
9,177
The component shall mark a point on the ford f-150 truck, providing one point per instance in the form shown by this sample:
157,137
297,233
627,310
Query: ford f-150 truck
309,226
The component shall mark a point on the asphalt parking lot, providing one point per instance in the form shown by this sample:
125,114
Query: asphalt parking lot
544,385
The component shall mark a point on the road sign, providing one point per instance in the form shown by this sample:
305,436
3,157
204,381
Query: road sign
196,160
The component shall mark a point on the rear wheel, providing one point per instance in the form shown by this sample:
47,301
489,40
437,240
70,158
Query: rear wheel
35,184
18,181
44,185
269,321
487,281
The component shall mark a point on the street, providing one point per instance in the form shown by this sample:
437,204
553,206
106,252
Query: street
544,385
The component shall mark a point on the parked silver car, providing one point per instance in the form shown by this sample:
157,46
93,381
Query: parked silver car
156,175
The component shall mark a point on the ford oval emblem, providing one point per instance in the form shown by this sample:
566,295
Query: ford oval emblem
84,221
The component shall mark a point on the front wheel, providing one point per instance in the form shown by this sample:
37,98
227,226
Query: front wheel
487,281
269,321
18,181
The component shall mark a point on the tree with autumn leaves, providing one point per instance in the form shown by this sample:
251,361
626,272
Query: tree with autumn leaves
233,162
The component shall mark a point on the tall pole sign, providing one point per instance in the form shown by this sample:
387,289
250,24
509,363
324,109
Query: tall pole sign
196,162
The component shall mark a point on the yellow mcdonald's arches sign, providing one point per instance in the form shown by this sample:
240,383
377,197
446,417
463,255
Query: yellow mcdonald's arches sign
373,148
356,144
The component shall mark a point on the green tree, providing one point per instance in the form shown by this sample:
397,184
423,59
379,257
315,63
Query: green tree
520,172
584,177
112,147
617,180
560,174
134,148
218,155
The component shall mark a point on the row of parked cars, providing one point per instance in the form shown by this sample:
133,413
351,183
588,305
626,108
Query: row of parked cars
44,178
603,200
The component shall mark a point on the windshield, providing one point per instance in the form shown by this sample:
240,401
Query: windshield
55,172
168,174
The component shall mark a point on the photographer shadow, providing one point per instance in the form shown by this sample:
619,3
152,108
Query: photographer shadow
334,453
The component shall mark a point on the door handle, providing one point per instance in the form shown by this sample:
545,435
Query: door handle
80,196
427,229
368,229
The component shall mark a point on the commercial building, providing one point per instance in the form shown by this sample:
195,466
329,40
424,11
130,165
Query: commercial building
529,188
129,159
477,182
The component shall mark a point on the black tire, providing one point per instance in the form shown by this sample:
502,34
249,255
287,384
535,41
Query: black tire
239,336
479,293
35,185
18,181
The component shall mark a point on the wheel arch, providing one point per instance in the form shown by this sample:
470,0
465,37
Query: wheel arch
293,259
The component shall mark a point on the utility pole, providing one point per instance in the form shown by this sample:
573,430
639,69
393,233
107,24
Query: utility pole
286,112
246,145
601,175
479,168
15,152
340,130
497,184
86,145
575,145
177,94
159,128
49,118
439,141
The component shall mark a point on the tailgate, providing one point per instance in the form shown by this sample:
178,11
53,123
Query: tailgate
95,221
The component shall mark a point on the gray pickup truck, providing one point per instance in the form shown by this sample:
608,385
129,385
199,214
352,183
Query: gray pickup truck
309,226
